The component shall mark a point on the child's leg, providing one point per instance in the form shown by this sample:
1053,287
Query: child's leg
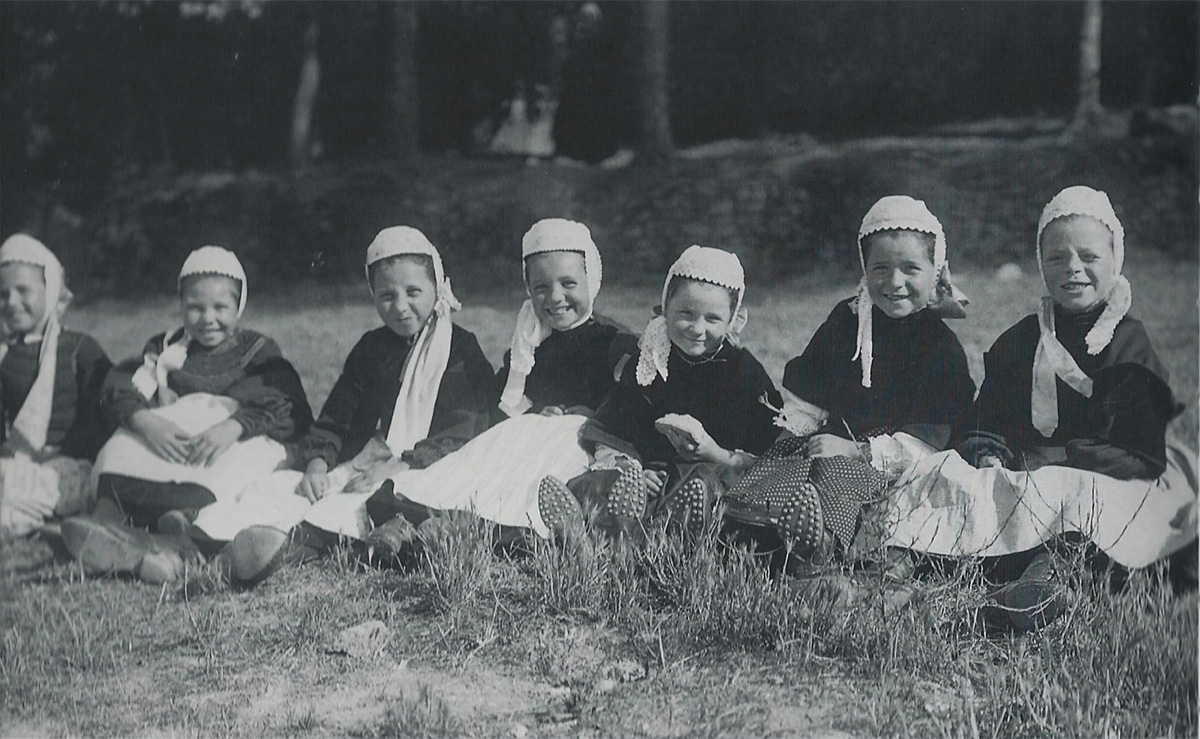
33,492
110,549
145,501
27,496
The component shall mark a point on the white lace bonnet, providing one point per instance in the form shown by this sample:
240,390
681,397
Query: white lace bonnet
399,240
216,260
703,263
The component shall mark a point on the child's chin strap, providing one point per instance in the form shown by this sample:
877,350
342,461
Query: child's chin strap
1052,359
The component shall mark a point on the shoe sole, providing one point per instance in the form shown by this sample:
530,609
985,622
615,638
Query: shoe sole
1029,604
688,509
627,499
99,548
253,555
558,506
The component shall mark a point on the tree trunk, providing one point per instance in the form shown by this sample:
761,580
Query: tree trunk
653,81
401,122
1088,110
306,99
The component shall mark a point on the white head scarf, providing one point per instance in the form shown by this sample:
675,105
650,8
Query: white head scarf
705,264
151,377
1051,358
547,235
430,353
32,421
901,213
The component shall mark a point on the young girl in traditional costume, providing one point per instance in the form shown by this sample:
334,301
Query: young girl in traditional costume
206,410
685,419
1068,433
411,392
50,380
560,366
878,387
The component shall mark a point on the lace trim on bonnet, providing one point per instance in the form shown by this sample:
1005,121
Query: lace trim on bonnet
702,263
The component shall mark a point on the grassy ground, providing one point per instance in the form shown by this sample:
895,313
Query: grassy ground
591,640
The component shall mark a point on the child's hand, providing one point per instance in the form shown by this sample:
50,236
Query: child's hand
369,480
828,445
373,452
213,441
553,410
315,483
655,480
708,450
989,460
161,436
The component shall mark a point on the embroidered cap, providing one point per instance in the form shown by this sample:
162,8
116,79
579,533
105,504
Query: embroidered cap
901,212
399,240
559,234
216,260
1081,200
24,249
703,263
707,264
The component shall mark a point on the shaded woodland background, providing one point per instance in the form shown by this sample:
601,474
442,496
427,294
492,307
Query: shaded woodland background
131,132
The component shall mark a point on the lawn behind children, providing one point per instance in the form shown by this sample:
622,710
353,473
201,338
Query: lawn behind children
590,640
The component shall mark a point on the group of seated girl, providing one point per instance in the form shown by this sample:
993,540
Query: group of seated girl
205,444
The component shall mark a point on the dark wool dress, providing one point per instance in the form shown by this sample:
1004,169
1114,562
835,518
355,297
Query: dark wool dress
364,397
249,368
920,381
76,427
920,384
1120,431
573,369
724,391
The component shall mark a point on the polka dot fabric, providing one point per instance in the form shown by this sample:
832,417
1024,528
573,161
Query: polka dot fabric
803,496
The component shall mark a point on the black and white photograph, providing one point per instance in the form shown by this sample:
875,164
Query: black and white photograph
561,368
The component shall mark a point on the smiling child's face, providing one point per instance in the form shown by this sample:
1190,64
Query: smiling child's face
22,297
558,287
210,308
900,273
404,294
1078,263
698,316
